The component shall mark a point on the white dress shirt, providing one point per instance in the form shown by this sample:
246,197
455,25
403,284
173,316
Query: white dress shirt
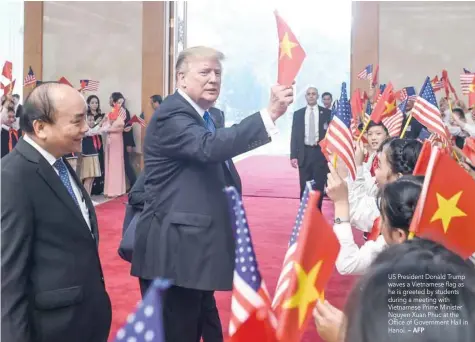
316,112
352,259
269,125
51,160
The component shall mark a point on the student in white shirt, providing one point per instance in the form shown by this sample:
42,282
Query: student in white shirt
397,201
396,158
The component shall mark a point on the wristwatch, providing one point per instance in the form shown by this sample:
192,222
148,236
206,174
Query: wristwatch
339,220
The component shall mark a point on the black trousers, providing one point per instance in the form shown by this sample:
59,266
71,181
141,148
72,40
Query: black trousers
194,309
129,170
314,166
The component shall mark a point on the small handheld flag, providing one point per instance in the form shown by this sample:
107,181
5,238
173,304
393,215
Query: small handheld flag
146,323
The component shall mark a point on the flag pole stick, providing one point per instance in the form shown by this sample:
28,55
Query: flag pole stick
408,121
335,157
364,130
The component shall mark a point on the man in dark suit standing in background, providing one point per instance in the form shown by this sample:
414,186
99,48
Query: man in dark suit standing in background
52,283
309,127
185,233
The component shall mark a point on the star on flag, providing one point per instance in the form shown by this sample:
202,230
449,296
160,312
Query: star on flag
291,54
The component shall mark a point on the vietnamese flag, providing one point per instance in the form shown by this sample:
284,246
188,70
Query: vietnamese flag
315,256
386,105
291,54
8,70
9,88
356,103
63,80
257,328
423,160
324,147
445,212
469,149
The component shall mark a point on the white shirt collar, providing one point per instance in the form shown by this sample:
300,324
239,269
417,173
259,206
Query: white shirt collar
312,107
48,156
5,127
200,110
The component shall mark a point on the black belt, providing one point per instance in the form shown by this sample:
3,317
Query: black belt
311,146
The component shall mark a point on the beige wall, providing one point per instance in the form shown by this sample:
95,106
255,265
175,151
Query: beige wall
101,41
419,39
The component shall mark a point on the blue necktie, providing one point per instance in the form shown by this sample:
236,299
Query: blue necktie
209,122
211,127
64,176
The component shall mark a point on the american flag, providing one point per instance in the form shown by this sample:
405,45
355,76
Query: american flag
427,112
140,119
30,78
146,323
366,73
394,122
288,265
339,135
437,84
465,80
122,113
408,93
334,108
249,290
89,85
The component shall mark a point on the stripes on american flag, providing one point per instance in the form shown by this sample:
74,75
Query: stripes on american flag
339,135
465,81
288,264
89,85
122,113
408,92
366,73
249,290
394,122
437,84
30,78
427,112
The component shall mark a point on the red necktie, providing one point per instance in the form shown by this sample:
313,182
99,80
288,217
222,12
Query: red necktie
12,133
97,142
374,165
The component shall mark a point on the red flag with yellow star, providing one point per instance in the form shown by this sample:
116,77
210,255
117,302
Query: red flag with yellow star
291,54
257,327
469,149
8,90
386,105
317,250
445,212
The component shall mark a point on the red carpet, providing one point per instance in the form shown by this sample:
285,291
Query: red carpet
270,220
269,176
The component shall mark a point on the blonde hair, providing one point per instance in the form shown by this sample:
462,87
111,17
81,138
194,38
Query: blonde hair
196,52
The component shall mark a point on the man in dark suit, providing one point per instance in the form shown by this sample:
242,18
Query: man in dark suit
309,127
18,106
52,282
185,232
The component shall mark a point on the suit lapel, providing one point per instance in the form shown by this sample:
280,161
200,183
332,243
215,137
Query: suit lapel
89,205
51,178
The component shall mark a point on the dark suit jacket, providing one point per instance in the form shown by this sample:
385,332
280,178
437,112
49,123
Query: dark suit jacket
185,233
297,140
128,136
414,128
52,284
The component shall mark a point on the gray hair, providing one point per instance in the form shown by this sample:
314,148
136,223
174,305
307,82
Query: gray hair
196,52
